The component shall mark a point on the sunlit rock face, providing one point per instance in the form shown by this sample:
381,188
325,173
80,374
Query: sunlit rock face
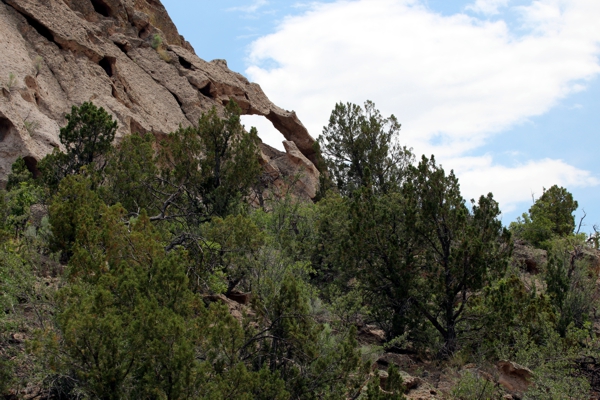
128,57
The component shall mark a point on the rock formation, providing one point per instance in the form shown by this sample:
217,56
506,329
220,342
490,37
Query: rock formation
126,56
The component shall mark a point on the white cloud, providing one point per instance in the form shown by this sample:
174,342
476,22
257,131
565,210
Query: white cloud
516,184
487,7
454,80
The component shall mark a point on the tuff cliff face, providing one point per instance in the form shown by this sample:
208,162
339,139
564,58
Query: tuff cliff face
126,56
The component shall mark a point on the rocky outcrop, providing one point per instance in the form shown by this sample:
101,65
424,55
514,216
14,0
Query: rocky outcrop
515,378
528,258
126,56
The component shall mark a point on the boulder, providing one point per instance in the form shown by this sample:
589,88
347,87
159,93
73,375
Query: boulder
515,378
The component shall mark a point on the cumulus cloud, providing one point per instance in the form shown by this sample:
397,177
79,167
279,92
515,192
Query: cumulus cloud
513,185
487,7
452,81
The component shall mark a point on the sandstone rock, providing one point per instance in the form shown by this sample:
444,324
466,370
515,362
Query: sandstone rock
528,258
370,334
514,377
410,382
402,361
66,52
17,338
290,170
383,377
241,298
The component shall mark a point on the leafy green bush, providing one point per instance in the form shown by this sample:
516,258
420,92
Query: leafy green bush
473,386
550,216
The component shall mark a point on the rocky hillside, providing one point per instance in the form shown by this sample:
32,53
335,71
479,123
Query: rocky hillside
126,56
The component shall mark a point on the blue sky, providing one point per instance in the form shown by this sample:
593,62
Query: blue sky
505,92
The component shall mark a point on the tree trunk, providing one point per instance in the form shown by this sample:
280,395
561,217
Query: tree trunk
450,343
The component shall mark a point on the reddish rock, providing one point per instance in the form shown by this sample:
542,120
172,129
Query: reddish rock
514,377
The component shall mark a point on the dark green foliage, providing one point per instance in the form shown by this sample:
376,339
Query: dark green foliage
74,213
359,149
231,248
557,205
131,174
333,256
230,162
385,251
19,174
8,300
461,250
204,172
127,318
19,293
88,136
21,194
314,362
130,327
550,216
421,252
571,284
208,169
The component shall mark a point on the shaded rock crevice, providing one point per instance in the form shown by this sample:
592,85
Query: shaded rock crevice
6,127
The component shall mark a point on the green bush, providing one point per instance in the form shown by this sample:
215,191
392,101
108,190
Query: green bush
550,216
87,136
473,386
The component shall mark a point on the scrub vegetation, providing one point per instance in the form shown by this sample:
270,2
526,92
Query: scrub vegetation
119,263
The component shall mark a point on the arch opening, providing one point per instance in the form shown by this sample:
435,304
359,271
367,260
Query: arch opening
266,131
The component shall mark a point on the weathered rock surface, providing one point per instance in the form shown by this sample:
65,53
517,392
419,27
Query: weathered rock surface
60,53
528,258
513,377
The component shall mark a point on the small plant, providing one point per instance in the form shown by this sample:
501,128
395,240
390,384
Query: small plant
472,386
12,80
157,44
37,64
156,41
31,126
162,53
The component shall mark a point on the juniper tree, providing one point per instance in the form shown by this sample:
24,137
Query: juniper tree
360,145
88,135
550,216
461,249
420,253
